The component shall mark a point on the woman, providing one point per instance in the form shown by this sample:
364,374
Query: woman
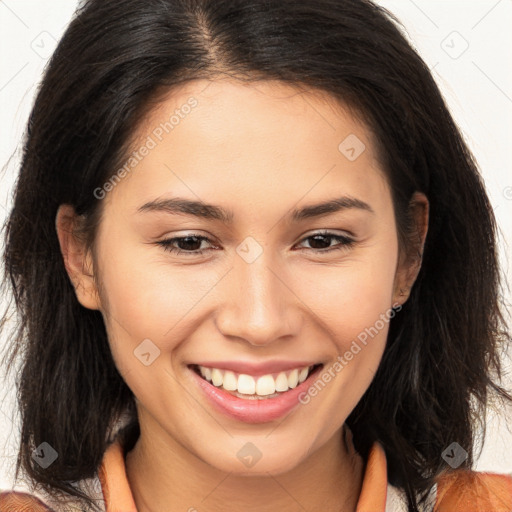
255,265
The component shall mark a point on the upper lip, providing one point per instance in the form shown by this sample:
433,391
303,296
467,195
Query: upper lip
257,369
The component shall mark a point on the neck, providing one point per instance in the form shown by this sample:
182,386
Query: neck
163,473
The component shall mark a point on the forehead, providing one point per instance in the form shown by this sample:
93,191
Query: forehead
262,110
261,142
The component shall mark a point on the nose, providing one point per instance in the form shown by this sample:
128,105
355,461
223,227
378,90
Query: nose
258,304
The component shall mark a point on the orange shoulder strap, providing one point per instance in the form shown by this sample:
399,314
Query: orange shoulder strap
12,501
472,491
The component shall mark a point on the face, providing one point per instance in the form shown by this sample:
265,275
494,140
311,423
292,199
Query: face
260,283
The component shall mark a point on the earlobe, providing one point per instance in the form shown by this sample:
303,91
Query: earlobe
411,259
77,259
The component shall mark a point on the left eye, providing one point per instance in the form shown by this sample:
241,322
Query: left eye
191,244
320,238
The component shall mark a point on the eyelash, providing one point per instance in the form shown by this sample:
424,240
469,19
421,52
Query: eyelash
346,243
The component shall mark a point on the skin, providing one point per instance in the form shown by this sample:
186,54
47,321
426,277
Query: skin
259,150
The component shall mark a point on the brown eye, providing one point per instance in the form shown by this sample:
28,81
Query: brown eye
321,242
185,245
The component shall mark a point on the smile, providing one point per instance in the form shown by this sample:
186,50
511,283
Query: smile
254,387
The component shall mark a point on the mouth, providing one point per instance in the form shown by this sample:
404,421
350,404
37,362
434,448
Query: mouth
249,387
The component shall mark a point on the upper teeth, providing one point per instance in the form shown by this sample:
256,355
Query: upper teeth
247,384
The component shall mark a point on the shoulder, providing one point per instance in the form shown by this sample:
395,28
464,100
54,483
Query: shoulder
14,501
472,491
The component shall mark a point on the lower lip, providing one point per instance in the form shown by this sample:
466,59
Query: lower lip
253,411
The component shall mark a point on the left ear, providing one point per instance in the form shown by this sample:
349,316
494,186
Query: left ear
410,258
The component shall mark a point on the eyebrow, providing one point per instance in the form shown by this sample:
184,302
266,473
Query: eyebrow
178,205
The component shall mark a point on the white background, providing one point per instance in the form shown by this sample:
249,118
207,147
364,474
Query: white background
468,46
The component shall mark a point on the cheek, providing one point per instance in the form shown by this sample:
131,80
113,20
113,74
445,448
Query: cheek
149,297
352,296
353,305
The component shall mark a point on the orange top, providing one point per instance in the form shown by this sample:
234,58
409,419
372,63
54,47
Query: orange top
457,491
